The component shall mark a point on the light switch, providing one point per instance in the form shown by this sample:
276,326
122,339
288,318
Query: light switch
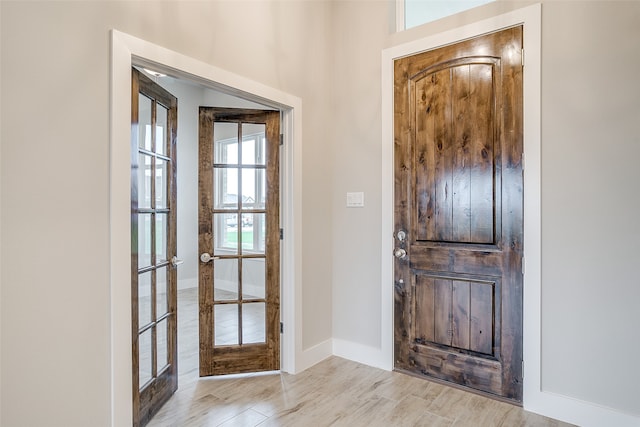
355,200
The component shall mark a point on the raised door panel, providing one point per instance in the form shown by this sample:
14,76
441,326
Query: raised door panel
455,159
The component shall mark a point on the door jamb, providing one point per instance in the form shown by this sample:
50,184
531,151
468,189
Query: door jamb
530,16
127,50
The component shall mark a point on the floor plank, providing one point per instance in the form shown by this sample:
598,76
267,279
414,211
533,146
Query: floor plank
335,392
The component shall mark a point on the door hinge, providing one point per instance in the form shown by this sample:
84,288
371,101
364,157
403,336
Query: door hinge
522,56
281,139
522,161
282,234
523,265
281,327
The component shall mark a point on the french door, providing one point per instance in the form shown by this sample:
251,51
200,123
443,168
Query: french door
153,246
239,241
459,213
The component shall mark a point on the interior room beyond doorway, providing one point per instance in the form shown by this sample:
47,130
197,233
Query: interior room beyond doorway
190,97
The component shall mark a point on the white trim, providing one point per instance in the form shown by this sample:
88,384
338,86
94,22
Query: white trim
313,355
400,6
535,399
125,50
360,353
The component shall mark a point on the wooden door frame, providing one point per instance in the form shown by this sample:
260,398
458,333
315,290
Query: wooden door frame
530,17
127,50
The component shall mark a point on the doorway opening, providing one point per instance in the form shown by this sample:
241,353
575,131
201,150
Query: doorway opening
224,200
128,51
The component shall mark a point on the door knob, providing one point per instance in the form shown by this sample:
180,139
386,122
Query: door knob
205,257
175,261
400,253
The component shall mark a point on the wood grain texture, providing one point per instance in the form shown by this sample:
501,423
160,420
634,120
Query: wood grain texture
149,397
336,392
458,194
239,357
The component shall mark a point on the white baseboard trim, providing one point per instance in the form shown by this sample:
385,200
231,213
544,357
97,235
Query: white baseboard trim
367,355
578,412
313,355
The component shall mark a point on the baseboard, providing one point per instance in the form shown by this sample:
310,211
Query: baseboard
367,355
578,412
313,355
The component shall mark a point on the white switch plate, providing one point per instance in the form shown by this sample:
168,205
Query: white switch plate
355,200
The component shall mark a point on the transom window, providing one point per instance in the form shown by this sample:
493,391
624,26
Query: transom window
411,13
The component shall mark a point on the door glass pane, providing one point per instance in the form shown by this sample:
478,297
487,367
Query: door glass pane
253,322
161,129
144,181
161,237
225,185
144,240
253,144
144,357
161,291
226,324
249,188
161,345
253,278
225,228
144,298
225,143
254,194
144,122
162,183
225,279
247,235
253,232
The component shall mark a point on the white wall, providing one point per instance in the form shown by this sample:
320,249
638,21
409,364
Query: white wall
55,175
356,125
590,202
54,178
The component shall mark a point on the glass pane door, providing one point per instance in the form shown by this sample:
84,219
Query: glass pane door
153,232
239,240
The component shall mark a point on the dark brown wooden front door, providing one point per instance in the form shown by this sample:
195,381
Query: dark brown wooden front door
459,213
239,241
153,246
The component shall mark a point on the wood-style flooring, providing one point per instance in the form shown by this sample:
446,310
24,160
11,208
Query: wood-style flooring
335,392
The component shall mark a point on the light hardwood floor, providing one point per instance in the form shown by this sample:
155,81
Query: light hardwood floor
335,392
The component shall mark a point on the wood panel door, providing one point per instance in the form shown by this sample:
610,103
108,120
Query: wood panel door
239,241
459,213
153,246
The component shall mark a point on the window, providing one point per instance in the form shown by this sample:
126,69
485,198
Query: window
411,13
